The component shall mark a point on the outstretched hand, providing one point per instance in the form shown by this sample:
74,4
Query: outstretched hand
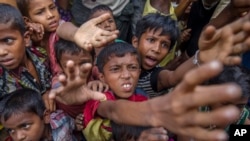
89,35
178,110
73,89
226,43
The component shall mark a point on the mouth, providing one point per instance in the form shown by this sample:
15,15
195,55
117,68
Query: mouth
151,61
6,62
127,87
53,24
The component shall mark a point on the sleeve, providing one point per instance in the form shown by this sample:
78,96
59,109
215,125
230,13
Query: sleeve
154,78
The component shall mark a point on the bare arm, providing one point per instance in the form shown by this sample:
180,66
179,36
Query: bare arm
177,111
223,44
180,9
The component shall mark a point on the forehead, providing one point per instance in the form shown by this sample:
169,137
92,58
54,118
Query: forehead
36,4
19,118
128,58
7,28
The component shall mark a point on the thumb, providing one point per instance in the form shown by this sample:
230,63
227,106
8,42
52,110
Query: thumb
98,96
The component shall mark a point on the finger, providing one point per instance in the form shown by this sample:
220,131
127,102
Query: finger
62,79
232,60
71,70
209,95
220,117
199,133
100,19
85,70
199,75
94,95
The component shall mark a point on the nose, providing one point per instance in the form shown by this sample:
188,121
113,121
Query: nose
105,25
156,48
125,74
20,135
3,52
49,14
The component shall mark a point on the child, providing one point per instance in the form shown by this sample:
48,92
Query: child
20,66
24,116
155,36
108,25
119,67
44,12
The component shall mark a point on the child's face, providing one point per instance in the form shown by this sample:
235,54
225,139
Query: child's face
108,24
12,46
44,12
79,59
24,127
121,74
153,47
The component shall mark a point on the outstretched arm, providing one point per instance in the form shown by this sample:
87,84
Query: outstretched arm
224,44
178,110
88,35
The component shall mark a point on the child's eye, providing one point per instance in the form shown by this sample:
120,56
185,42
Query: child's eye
9,41
39,12
53,7
115,69
133,68
10,131
165,45
26,126
110,21
150,40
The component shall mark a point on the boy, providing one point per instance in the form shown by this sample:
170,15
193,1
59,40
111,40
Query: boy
155,37
20,65
25,117
120,68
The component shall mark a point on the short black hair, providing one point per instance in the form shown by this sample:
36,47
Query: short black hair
117,49
21,101
12,15
156,21
100,7
64,46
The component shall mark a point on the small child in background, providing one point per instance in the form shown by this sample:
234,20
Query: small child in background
108,25
119,67
24,116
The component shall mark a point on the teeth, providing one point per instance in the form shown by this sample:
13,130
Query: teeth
126,85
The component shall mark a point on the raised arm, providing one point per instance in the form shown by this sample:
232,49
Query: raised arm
223,44
182,6
88,35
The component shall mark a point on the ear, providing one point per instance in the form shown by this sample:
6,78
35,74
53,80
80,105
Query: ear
27,40
101,77
135,41
46,116
26,19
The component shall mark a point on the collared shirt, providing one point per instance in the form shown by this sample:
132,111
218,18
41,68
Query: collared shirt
11,80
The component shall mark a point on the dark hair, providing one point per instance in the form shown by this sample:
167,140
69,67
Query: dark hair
156,21
99,8
10,14
126,132
117,49
21,101
235,74
23,6
64,46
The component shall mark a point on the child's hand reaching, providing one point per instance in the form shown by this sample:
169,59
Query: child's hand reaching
73,89
225,44
79,122
154,134
97,85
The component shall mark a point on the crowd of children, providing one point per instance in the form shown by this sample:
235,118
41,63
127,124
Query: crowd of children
64,80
